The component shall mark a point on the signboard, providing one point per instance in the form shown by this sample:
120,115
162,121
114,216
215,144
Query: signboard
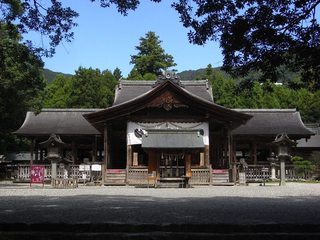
96,167
83,167
37,174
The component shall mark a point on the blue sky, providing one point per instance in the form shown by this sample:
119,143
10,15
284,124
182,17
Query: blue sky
105,39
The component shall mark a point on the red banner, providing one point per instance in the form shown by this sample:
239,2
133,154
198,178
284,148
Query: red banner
37,174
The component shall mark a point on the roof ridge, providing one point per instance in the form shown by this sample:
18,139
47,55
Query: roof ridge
70,109
265,109
152,82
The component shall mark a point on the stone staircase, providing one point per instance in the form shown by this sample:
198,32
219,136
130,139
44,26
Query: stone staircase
170,183
220,177
115,177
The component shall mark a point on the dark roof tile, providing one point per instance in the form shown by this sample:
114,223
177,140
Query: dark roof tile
130,89
58,121
272,122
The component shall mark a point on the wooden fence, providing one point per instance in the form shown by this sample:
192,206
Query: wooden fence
23,172
137,176
200,176
258,173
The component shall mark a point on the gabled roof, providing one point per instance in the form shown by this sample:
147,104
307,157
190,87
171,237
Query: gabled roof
125,108
271,122
59,121
130,89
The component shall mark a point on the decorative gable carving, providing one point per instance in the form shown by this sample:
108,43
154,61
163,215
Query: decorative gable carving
167,101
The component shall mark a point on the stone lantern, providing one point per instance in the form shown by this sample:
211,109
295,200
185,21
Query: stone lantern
54,147
272,160
283,142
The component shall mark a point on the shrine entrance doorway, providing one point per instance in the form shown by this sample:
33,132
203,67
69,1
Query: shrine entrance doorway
172,165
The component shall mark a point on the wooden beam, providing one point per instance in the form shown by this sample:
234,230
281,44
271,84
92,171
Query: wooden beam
106,146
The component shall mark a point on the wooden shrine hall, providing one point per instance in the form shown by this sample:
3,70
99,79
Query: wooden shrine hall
162,131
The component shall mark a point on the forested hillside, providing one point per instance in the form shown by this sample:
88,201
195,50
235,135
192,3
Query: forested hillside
50,75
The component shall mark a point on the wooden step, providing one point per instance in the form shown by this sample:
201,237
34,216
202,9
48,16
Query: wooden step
115,177
220,177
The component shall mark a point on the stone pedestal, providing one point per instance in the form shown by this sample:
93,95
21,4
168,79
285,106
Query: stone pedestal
53,169
282,171
273,172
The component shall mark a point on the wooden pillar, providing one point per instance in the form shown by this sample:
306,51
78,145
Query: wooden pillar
41,154
135,159
106,147
73,151
129,156
188,165
206,155
232,164
32,151
255,161
94,149
201,159
36,153
152,161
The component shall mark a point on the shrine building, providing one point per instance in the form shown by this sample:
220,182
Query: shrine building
164,130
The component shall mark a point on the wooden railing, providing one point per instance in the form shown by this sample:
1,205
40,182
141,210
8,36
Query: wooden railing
200,176
23,172
257,173
137,176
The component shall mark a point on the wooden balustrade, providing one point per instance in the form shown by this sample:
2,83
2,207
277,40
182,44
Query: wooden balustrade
200,176
256,173
23,173
137,176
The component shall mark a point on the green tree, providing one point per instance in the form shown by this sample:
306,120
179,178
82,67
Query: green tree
151,57
117,73
303,168
21,82
223,88
50,19
88,88
135,75
58,92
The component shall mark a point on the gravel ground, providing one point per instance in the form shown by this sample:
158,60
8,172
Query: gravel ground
253,204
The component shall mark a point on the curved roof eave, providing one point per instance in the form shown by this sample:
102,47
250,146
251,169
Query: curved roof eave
136,104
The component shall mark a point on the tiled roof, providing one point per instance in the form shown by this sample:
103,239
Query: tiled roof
58,121
130,89
273,122
314,141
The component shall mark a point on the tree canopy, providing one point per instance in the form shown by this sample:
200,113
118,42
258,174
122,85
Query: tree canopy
88,88
151,57
21,83
229,92
253,34
258,34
